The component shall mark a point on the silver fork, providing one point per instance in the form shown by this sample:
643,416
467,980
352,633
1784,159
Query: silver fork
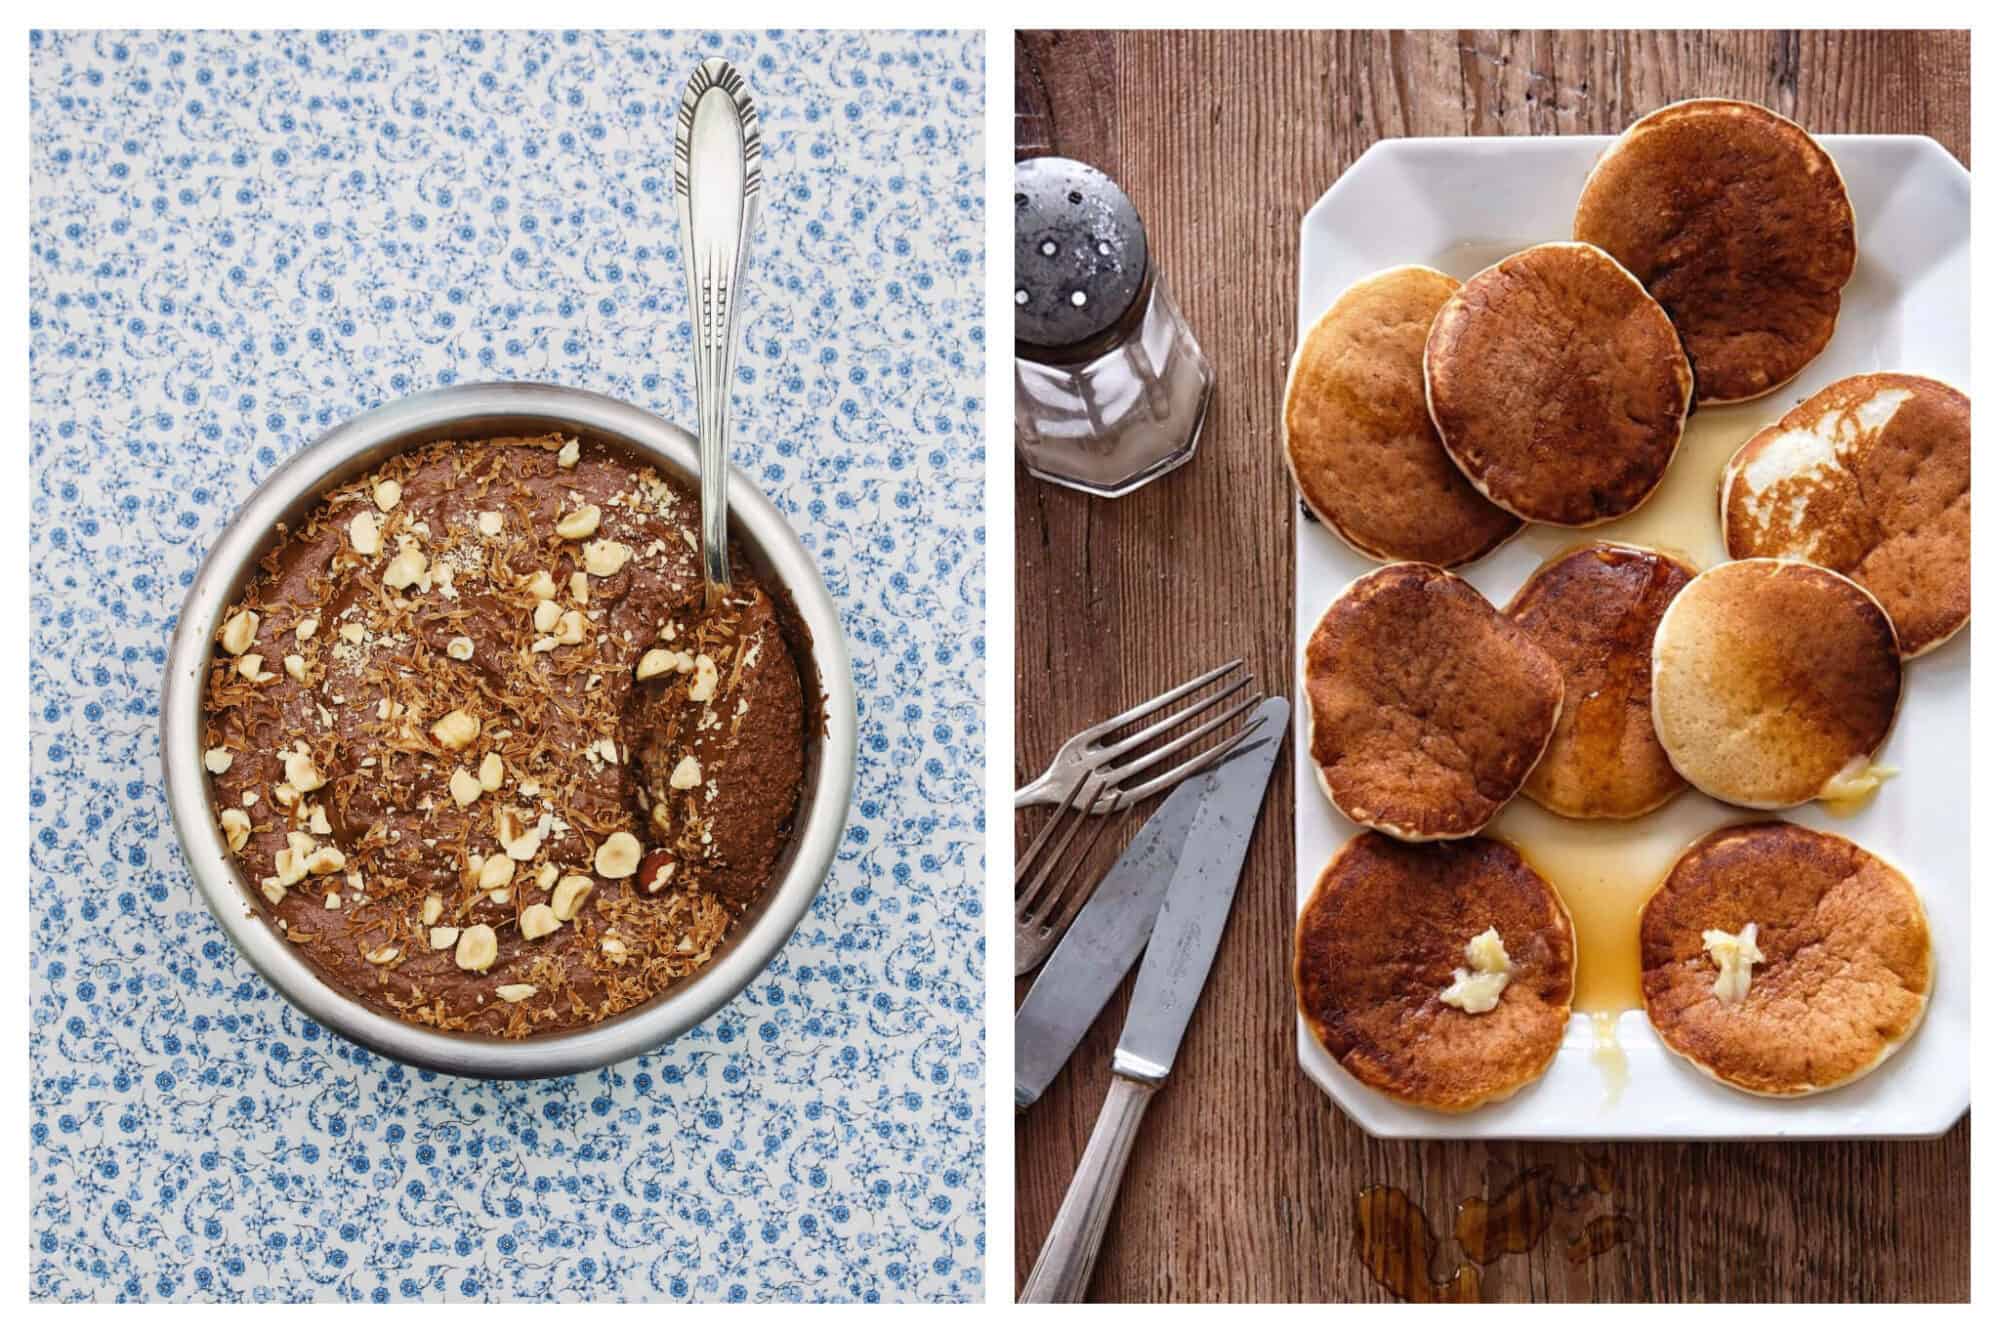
1087,752
1044,904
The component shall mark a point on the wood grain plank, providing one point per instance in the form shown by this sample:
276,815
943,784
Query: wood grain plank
1243,1185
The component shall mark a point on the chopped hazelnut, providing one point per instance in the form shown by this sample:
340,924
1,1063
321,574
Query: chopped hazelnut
295,667
496,871
443,937
492,772
614,948
545,875
306,628
250,666
273,889
702,687
465,788
456,729
385,955
578,523
656,872
570,892
239,632
364,532
606,558
409,565
301,774
655,662
540,585
568,454
617,856
478,947
539,920
546,615
325,860
515,992
579,586
490,522
569,627
686,774
433,908
235,829
388,492
459,649
217,761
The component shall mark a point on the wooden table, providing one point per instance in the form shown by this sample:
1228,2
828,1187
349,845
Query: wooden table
1245,1180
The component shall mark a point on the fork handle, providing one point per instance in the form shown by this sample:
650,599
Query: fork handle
1069,1253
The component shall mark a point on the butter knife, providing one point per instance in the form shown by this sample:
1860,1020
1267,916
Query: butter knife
1185,937
1104,941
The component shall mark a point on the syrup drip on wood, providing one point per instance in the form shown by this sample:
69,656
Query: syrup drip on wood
1398,1246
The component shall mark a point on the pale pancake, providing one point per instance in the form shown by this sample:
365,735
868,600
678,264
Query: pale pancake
1871,476
1847,970
1427,707
1770,677
1594,610
1358,436
1377,945
1558,385
1739,224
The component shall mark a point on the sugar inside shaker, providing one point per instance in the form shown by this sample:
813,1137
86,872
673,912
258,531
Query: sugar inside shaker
1110,387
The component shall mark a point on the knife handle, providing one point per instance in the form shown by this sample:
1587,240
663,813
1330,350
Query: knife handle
1062,1270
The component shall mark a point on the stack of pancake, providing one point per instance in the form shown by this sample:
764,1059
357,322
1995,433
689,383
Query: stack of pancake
1426,422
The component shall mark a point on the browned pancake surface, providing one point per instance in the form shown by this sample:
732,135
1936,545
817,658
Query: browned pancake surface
1558,385
1359,439
1769,676
1871,476
1428,707
1594,610
1386,925
1738,223
1847,971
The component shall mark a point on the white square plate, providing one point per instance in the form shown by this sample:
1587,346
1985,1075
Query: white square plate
1460,204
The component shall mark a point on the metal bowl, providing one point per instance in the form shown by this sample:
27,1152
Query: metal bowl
470,412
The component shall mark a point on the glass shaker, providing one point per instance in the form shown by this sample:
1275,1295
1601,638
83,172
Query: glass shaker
1110,387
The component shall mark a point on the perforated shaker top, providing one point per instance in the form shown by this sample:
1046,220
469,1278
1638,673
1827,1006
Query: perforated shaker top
1079,252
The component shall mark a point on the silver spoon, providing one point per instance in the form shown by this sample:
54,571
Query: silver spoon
717,174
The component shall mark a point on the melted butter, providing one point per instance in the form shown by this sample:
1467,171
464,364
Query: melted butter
1851,789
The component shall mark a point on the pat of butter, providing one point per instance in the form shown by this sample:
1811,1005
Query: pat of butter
1855,783
1734,956
1478,991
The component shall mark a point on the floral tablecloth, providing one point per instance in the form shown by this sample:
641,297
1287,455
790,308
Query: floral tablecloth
237,240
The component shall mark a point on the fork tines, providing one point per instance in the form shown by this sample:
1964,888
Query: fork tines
1107,773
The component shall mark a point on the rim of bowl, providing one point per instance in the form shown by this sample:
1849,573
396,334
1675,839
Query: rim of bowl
473,411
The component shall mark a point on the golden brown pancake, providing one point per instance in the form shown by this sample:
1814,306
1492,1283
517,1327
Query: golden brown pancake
1558,385
1846,971
1770,677
1428,707
1359,438
1871,476
1594,610
1739,224
1379,942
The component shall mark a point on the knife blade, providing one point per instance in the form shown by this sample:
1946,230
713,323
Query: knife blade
1104,941
1195,910
1185,936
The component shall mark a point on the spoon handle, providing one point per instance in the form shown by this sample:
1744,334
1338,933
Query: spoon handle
717,174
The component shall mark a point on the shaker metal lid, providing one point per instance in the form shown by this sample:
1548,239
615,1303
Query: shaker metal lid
1079,252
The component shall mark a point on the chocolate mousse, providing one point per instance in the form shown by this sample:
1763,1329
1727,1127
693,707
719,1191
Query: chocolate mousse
488,761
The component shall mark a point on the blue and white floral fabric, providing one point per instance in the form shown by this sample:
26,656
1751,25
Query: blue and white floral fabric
237,240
